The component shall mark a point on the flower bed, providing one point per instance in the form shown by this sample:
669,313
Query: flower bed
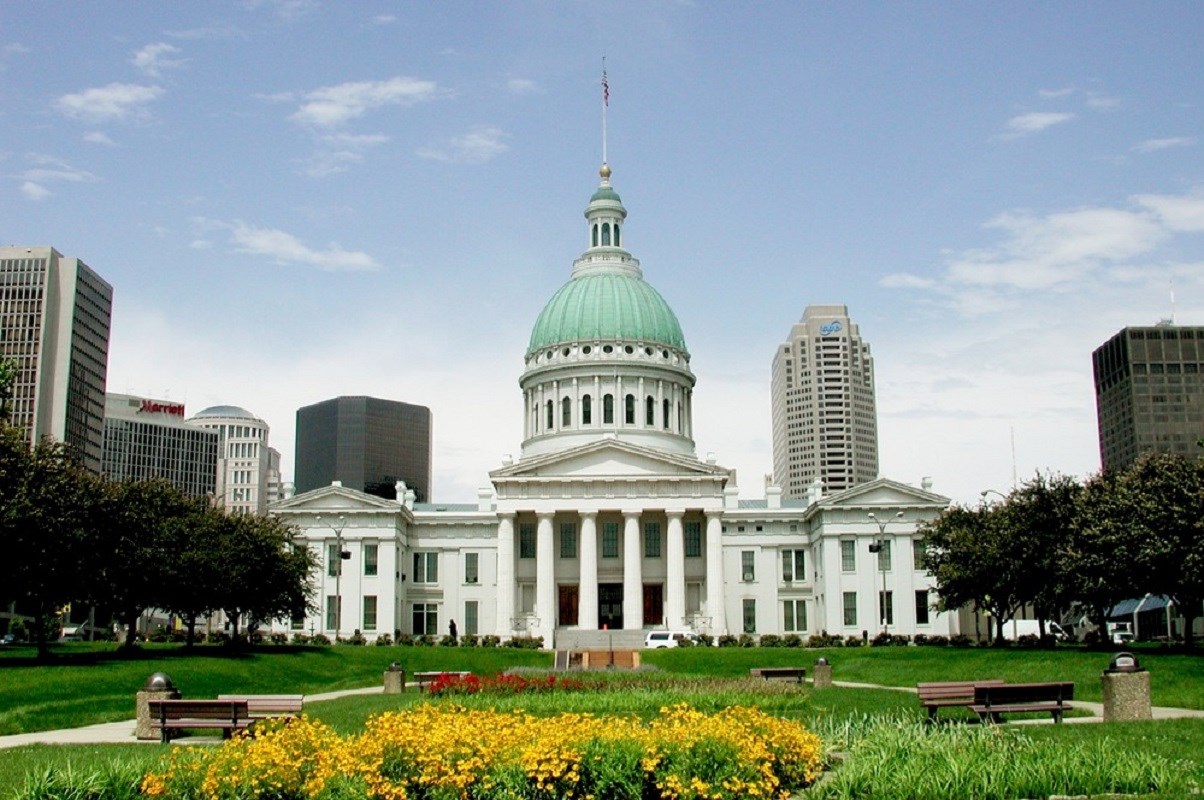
454,684
444,752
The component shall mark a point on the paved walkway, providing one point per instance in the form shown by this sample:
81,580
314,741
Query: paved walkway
123,732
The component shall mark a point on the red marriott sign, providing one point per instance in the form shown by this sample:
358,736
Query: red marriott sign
153,407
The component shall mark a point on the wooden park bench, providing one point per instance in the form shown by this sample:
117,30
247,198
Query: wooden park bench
990,701
949,694
178,715
424,679
264,706
795,674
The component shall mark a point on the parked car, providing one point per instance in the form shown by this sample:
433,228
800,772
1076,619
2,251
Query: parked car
659,639
7,639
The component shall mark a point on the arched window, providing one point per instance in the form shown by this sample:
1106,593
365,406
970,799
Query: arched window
586,416
606,234
617,242
629,409
649,411
665,410
551,420
595,234
608,409
566,413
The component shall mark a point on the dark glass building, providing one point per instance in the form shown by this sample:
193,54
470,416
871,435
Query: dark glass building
1149,393
366,443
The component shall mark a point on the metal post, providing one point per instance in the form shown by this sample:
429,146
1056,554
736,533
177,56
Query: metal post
877,548
338,573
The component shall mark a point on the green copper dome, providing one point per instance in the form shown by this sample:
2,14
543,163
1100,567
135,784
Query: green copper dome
606,306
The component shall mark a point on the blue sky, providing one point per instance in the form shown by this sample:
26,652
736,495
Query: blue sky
299,200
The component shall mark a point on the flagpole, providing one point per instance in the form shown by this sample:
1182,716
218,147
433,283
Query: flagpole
605,103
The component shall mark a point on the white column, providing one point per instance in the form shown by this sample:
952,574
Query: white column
675,574
505,575
545,578
715,600
633,573
587,596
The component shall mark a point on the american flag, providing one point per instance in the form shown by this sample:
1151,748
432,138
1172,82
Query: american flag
605,89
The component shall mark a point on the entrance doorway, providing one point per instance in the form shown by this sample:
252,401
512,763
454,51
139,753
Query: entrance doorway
610,606
654,604
568,605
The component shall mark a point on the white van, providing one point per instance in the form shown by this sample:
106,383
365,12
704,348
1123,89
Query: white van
659,639
1013,629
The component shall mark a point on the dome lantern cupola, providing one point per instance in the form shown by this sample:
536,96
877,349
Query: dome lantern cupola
605,214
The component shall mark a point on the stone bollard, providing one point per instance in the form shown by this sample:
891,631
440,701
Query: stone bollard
821,677
395,679
1126,689
158,687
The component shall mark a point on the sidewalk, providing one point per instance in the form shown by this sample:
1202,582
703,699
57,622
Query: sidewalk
123,732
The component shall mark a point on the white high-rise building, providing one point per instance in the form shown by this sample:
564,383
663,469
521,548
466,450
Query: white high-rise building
147,438
244,460
54,325
825,420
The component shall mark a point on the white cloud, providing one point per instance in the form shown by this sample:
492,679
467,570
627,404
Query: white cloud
1102,102
901,280
522,86
384,19
1177,212
117,101
331,106
1034,122
154,58
211,32
356,140
16,48
64,175
475,147
331,163
49,169
34,191
1052,94
285,248
97,137
1153,145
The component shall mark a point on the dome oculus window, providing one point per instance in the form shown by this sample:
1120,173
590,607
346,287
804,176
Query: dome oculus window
647,351
587,349
608,349
564,352
628,349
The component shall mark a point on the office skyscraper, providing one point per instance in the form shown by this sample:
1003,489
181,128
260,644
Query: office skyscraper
1149,393
149,439
366,443
54,325
825,420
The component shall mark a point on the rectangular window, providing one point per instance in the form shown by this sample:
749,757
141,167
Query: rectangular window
568,540
297,623
850,609
333,562
750,615
332,612
369,612
526,593
470,617
747,570
794,616
652,540
426,568
471,567
886,608
693,597
848,556
794,567
883,555
370,559
693,539
425,619
919,554
921,606
526,541
610,540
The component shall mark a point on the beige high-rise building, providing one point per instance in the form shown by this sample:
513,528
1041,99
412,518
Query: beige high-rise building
54,325
825,419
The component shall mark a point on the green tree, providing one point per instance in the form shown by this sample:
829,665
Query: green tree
976,558
1039,516
47,531
267,575
195,571
8,378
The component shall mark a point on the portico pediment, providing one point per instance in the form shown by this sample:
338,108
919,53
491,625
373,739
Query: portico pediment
883,492
329,499
609,459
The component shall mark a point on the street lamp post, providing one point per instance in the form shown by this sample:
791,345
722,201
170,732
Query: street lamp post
877,547
338,571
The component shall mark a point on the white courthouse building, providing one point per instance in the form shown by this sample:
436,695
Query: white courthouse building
608,523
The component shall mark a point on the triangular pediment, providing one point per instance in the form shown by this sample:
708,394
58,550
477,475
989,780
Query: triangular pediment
883,492
335,498
612,459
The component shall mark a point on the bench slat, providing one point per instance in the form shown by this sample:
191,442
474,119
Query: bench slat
169,715
991,701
